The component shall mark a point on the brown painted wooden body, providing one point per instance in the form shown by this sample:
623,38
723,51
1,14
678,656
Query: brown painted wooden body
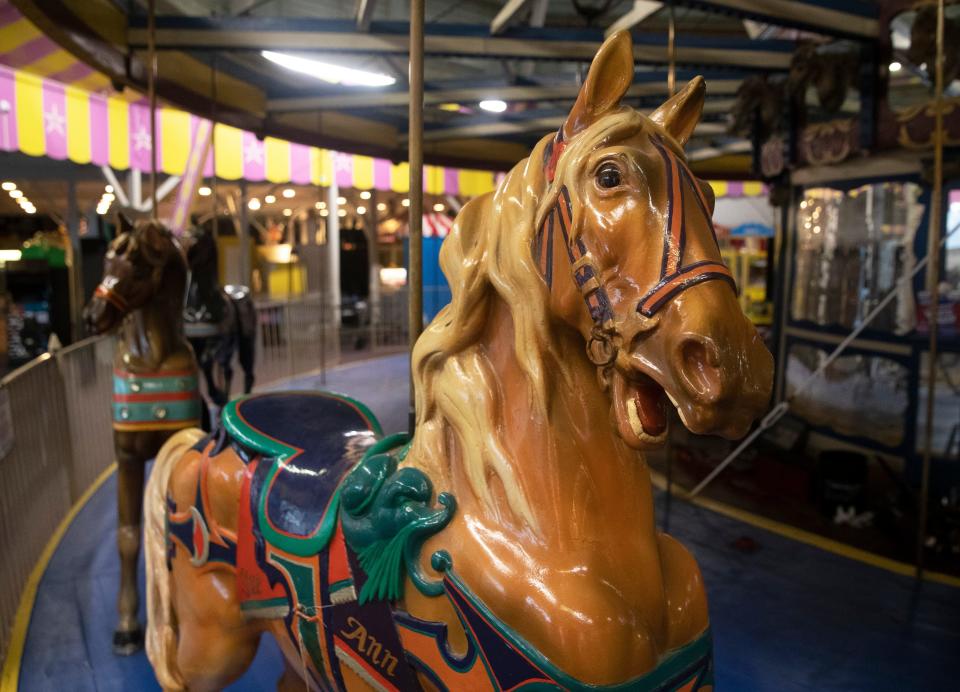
532,409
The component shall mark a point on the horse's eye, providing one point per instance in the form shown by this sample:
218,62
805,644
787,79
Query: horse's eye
608,176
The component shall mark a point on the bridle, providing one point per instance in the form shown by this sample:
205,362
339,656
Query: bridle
111,296
675,277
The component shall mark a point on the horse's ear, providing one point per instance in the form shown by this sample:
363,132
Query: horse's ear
154,241
681,113
124,223
610,75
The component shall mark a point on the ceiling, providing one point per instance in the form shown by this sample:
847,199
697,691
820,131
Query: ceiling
531,53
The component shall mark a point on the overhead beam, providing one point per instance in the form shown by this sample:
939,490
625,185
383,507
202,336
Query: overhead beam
800,14
507,13
520,127
471,95
364,14
641,10
738,147
255,34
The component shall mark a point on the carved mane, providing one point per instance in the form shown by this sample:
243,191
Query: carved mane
487,255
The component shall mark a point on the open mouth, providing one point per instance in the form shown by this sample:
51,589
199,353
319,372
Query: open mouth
640,409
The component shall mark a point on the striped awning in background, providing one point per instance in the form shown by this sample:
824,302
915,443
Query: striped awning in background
24,47
436,225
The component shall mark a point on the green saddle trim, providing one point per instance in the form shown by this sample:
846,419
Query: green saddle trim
278,452
386,515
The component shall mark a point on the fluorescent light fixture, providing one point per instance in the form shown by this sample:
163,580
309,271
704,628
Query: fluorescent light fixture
270,199
494,105
365,194
16,193
361,210
438,206
9,255
328,72
204,191
9,186
895,66
289,192
253,204
393,276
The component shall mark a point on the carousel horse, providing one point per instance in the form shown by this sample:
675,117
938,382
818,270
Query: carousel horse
154,380
511,543
218,321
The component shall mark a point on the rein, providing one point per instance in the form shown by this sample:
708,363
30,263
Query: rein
674,276
108,294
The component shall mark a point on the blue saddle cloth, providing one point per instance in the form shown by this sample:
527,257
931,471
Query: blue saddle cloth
306,442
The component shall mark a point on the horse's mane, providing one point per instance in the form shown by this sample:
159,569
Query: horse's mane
488,255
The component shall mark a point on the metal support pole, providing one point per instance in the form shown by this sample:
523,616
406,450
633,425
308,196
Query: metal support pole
152,92
213,148
75,270
933,290
671,53
371,225
243,234
415,144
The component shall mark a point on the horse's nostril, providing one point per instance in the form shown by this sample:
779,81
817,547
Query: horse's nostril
700,368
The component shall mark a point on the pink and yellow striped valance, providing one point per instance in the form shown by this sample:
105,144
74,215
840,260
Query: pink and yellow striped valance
42,117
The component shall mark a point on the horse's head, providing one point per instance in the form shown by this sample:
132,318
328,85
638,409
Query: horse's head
202,252
133,272
627,247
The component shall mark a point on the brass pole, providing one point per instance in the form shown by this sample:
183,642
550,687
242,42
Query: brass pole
152,92
415,144
671,54
933,290
213,146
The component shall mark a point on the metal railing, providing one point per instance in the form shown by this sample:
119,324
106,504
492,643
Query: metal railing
55,416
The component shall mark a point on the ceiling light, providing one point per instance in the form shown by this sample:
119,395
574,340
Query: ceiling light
365,194
361,210
341,200
342,212
319,205
109,197
253,204
16,193
9,255
323,212
108,188
381,206
204,191
9,186
31,210
270,199
405,202
328,72
895,66
438,206
494,105
288,212
289,192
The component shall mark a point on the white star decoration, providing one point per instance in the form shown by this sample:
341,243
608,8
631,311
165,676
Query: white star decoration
141,139
344,162
253,153
55,121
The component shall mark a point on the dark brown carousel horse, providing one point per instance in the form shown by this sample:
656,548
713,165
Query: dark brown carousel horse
219,321
154,380
511,543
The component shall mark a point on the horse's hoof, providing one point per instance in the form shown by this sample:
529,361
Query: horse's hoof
126,643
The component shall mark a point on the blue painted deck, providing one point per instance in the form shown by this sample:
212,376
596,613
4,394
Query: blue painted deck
787,617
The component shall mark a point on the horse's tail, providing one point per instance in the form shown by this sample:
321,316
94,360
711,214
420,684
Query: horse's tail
161,623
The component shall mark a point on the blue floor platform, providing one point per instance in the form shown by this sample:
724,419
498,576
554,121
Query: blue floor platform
785,617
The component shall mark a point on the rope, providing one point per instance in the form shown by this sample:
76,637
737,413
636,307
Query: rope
781,409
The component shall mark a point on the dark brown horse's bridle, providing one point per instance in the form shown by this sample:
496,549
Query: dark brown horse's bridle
111,296
675,277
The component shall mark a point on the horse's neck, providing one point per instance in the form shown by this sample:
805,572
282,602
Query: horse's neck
204,286
153,335
578,475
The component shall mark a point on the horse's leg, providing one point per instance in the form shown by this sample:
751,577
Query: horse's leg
128,637
246,341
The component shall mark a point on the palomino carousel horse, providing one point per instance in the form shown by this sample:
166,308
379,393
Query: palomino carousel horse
154,380
218,321
587,293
